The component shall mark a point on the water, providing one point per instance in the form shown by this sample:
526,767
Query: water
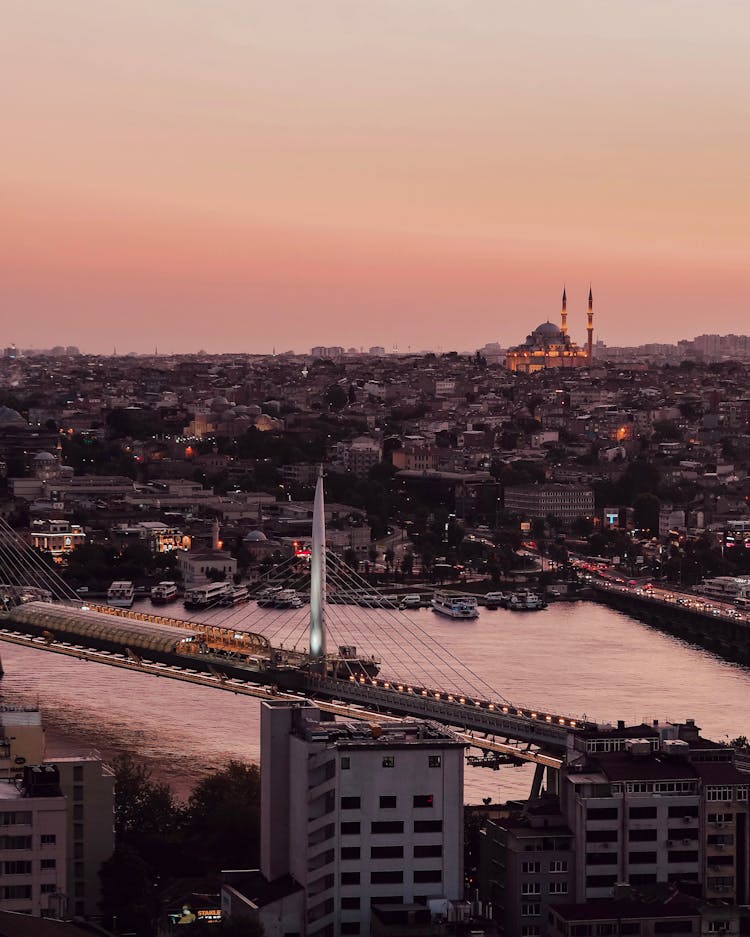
576,659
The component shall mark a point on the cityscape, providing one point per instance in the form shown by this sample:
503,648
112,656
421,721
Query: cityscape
375,469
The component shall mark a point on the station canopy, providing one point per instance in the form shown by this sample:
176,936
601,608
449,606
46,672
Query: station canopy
81,622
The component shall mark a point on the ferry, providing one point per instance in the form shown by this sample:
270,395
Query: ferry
493,599
267,597
163,592
455,606
287,598
236,596
121,594
207,596
526,602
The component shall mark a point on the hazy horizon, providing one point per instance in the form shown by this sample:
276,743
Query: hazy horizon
229,174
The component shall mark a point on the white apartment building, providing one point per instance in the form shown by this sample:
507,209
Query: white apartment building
33,844
358,815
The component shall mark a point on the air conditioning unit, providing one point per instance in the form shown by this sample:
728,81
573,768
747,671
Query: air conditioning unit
720,826
686,842
686,819
670,843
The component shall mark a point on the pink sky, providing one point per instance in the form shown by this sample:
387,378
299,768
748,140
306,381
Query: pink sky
243,175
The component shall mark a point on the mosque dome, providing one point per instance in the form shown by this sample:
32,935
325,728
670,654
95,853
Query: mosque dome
42,457
220,403
10,417
255,536
549,331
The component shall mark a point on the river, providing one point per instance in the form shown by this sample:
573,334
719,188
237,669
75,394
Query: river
576,659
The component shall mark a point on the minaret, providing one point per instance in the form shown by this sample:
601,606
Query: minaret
215,542
590,328
564,315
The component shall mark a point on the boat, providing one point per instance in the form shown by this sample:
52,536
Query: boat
287,598
525,602
494,599
163,592
378,600
455,606
267,597
413,600
207,596
236,596
121,594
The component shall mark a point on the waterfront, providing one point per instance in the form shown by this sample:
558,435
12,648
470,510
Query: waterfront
579,659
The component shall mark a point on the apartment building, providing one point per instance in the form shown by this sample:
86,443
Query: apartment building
33,843
355,817
565,502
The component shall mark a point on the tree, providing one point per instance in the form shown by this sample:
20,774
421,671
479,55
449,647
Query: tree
390,556
336,398
222,822
141,804
407,563
646,512
351,559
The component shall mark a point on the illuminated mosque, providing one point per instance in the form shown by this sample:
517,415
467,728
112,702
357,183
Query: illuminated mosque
551,347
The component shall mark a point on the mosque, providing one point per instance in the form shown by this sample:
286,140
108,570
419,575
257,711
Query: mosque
551,347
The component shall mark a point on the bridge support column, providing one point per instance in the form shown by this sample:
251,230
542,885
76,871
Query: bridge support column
553,780
2,671
536,784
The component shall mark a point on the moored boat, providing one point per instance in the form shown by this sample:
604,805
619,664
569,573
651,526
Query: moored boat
236,596
455,606
121,594
526,602
163,592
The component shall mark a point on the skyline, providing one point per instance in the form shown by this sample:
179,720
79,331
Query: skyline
244,177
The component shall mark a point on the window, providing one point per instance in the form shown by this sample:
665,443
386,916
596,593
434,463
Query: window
350,852
716,792
628,928
350,828
386,852
78,811
428,826
78,793
428,875
601,881
78,850
636,858
642,836
78,831
531,867
530,930
15,842
423,800
350,904
601,858
682,810
721,818
428,852
673,927
643,878
531,888
389,761
78,774
48,839
17,891
350,803
15,818
601,813
387,826
349,927
48,864
531,909
350,878
558,865
643,813
603,836
391,877
434,761
17,867
48,888
78,869
346,762
682,855
558,888
387,801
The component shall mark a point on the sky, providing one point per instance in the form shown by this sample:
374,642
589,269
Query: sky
238,175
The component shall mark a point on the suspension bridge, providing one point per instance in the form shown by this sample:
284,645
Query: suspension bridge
350,650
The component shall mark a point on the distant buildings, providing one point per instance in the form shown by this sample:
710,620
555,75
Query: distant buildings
565,502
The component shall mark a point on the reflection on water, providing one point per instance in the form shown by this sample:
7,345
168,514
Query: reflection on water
576,659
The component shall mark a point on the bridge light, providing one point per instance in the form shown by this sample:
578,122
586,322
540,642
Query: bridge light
374,682
437,696
450,697
533,715
548,718
505,709
491,706
424,693
573,723
361,679
387,685
351,678
519,712
410,689
477,703
461,699
561,721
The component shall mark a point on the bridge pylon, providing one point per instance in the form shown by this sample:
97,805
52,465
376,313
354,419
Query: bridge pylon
317,642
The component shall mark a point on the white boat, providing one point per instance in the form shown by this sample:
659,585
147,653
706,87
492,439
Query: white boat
287,598
525,602
121,594
493,599
163,592
455,606
236,596
267,596
413,600
207,596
